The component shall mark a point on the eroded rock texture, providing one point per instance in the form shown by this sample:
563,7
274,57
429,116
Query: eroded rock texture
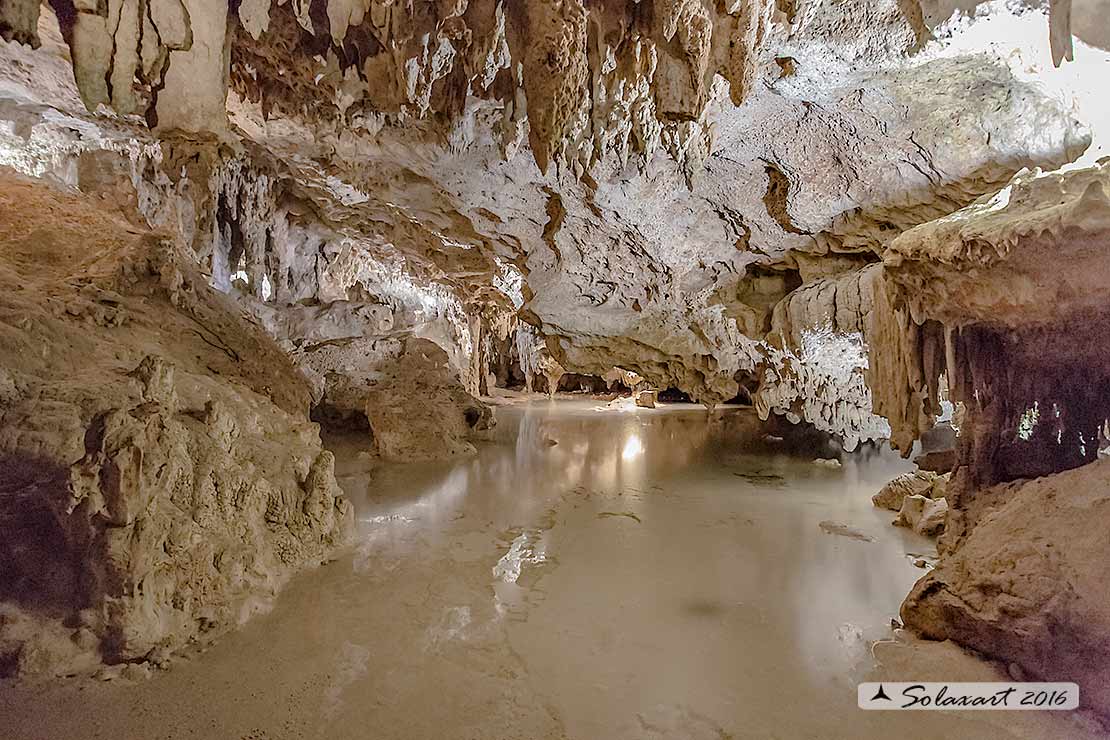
1005,299
403,389
917,483
159,478
644,180
1028,582
403,204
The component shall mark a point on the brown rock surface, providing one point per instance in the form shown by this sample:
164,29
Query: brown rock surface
160,480
922,514
405,388
809,205
418,409
1005,299
680,169
916,483
1028,583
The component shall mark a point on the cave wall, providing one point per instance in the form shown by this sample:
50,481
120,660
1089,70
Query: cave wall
784,198
1006,300
159,475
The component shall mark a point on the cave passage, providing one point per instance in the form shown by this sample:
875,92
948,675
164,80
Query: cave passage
551,369
592,572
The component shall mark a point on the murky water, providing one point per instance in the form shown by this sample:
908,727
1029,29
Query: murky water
591,575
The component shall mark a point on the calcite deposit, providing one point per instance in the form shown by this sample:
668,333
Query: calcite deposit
1006,300
159,479
687,184
226,223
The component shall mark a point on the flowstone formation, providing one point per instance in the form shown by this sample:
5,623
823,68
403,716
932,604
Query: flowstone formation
159,479
396,207
1007,300
642,182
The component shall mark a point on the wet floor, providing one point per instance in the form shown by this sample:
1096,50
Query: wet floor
594,574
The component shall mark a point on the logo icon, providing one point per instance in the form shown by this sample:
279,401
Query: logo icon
880,694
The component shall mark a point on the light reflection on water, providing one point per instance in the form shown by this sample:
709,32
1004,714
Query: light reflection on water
660,505
589,574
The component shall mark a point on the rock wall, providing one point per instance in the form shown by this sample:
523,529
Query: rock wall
1005,299
159,480
1027,585
410,195
405,389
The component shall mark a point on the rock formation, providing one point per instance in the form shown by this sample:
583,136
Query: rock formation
665,224
917,483
403,390
647,399
159,478
1006,300
372,213
923,515
1027,583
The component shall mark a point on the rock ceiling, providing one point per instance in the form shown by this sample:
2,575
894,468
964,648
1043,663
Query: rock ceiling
660,173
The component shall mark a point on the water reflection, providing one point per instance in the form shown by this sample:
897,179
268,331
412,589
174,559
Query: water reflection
633,448
589,574
675,509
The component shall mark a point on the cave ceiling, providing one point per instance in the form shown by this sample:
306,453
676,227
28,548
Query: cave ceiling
658,172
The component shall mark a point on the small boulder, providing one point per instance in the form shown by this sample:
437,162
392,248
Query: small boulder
647,399
933,518
917,483
923,515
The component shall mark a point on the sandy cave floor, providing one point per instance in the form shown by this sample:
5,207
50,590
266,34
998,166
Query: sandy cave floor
639,578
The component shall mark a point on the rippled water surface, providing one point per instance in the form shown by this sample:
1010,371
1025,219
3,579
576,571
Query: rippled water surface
592,574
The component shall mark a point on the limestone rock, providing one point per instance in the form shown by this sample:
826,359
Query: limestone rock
922,514
1027,583
941,461
1001,299
647,399
536,360
385,134
916,483
19,21
989,299
418,409
808,204
626,377
161,480
814,360
312,324
410,398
